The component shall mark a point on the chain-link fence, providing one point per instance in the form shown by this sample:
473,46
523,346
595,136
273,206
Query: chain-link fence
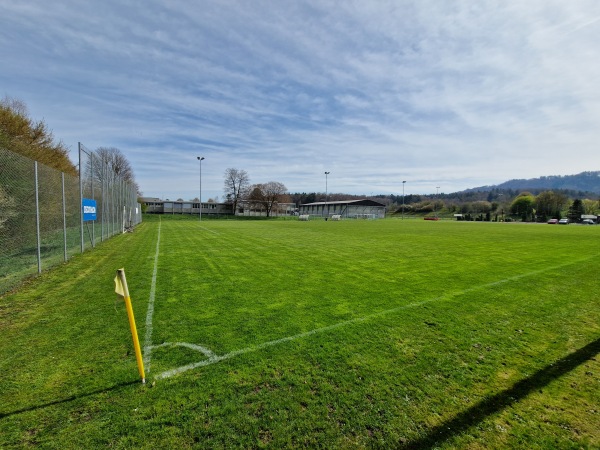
42,219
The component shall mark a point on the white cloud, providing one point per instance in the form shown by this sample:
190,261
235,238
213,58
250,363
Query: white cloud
451,94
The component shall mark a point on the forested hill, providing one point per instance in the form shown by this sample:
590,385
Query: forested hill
584,182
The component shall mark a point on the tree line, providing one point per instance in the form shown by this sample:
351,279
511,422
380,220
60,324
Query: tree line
496,204
501,205
21,134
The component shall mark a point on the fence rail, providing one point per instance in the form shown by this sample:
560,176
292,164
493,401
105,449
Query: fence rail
41,215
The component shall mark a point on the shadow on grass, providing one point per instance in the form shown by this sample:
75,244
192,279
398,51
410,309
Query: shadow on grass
68,399
497,402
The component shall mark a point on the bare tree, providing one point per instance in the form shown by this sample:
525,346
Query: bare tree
268,194
236,186
118,163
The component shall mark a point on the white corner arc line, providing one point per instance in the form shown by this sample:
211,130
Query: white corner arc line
200,349
150,312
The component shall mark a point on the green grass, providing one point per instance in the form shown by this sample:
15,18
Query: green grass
347,334
18,261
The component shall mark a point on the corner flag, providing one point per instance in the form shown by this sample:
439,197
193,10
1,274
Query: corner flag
122,290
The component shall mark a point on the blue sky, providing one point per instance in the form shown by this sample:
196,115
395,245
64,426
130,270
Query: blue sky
454,94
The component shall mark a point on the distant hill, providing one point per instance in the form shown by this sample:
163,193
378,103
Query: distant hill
582,182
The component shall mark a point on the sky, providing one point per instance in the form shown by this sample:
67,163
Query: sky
445,95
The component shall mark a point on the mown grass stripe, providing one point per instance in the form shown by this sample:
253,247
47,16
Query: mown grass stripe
213,358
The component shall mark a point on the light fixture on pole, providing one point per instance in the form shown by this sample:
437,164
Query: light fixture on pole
200,158
403,183
502,210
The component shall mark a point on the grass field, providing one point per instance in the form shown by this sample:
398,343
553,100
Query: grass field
272,334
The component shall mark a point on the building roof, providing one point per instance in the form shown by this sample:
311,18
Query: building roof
362,202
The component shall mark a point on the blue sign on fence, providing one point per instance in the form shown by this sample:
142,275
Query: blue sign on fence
89,209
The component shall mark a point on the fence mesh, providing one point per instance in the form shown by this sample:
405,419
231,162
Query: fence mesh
41,220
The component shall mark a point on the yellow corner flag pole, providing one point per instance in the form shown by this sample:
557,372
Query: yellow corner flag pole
123,291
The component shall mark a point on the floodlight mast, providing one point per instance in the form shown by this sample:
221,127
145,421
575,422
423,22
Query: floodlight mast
501,195
437,196
403,183
326,196
200,158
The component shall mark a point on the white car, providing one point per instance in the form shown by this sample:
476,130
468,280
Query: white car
563,222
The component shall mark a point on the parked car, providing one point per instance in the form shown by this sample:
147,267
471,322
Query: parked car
563,222
588,222
553,221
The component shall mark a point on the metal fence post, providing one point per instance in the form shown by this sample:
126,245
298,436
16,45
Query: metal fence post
102,177
64,211
80,198
111,205
92,182
121,206
37,217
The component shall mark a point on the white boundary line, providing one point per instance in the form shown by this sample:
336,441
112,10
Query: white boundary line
214,358
150,313
209,230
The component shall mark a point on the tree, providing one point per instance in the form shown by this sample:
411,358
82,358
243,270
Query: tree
302,198
119,164
110,164
523,205
576,210
255,198
481,206
549,204
591,206
269,195
21,134
236,184
22,139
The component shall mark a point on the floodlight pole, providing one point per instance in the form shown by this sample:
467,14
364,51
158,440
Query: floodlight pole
200,158
499,199
403,183
326,196
437,195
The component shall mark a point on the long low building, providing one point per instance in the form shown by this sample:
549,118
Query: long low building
158,206
355,209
